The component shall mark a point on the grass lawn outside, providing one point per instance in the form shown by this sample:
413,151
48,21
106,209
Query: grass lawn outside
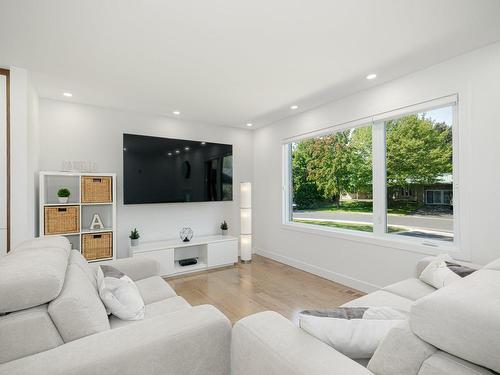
396,208
352,226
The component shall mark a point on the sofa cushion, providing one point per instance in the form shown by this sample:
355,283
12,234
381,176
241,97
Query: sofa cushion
410,288
193,341
442,363
27,332
45,242
78,310
463,318
119,294
153,310
440,273
31,277
495,265
137,268
78,260
353,331
400,352
381,298
269,344
154,289
423,263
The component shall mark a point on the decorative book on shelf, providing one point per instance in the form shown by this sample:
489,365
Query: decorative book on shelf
91,201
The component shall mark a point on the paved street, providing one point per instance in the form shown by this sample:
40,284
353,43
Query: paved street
441,223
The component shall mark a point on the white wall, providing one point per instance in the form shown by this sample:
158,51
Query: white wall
475,77
81,132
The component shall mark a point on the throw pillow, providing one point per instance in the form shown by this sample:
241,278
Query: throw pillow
354,331
119,294
440,273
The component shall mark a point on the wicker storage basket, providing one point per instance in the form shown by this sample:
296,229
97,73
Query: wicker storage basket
97,246
97,189
62,219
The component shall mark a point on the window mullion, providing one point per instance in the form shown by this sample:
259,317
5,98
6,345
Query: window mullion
379,178
287,184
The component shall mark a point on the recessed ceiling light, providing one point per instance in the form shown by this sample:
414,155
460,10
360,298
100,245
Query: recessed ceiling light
67,94
169,154
186,148
177,113
177,151
249,124
294,107
203,143
371,76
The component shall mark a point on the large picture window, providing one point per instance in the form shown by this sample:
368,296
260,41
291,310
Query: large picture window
390,176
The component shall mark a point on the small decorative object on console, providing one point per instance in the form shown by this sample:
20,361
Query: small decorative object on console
96,223
186,234
134,237
223,228
63,195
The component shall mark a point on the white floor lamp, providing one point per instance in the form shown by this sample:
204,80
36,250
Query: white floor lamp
246,221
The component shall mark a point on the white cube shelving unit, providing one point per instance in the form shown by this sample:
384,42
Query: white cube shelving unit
51,182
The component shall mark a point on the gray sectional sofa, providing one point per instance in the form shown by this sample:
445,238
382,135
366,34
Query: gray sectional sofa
52,320
451,331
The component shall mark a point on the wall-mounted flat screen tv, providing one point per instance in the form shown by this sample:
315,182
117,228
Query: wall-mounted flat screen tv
166,170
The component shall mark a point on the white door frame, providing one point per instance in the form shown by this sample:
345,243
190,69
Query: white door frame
5,157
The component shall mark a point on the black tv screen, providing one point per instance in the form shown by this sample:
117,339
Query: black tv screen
166,170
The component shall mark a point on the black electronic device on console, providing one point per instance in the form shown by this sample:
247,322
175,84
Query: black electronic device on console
188,262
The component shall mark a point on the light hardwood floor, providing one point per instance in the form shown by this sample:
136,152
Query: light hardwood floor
259,286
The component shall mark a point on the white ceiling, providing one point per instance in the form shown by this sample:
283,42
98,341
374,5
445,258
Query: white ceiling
230,62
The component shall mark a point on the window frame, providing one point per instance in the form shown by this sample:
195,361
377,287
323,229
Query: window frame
379,236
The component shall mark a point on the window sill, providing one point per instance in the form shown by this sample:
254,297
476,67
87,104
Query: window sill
427,247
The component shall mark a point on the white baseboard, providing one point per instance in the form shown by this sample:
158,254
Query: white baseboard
322,272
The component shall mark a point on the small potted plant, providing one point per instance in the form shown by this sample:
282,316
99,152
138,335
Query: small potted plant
134,237
223,227
63,195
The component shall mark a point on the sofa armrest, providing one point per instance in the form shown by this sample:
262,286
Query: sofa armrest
191,341
267,343
137,268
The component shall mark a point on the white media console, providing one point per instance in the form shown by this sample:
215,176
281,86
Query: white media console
211,252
